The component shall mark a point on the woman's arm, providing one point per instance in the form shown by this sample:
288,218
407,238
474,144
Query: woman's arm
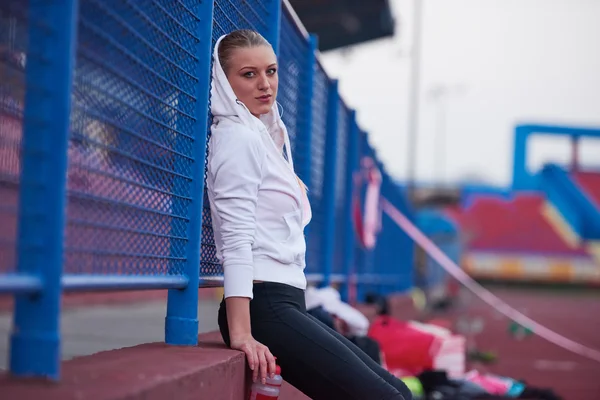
238,316
235,174
260,359
234,179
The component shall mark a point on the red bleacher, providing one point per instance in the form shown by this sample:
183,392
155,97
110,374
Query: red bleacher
589,182
516,225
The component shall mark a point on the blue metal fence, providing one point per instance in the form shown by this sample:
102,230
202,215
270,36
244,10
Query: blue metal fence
103,135
48,62
441,230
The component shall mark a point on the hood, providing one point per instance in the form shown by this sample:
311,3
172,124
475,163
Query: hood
224,104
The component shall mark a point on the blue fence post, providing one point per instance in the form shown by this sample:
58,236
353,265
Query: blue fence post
349,236
305,135
333,108
181,322
383,265
361,253
521,176
35,338
274,16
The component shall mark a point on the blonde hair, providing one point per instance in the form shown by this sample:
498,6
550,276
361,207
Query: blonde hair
302,184
240,39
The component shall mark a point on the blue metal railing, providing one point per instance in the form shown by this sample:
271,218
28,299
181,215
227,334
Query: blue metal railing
103,139
34,341
578,210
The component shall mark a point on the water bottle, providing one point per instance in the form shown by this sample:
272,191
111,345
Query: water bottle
269,390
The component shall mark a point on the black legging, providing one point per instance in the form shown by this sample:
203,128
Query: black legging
313,357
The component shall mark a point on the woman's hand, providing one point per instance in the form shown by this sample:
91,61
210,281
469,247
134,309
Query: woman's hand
260,359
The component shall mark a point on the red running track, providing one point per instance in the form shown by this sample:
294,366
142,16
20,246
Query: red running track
574,314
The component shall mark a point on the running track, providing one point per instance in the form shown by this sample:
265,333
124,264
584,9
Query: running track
574,314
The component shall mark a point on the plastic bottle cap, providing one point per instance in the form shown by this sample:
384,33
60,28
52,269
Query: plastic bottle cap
277,370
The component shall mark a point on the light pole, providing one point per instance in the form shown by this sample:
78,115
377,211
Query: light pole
413,101
439,95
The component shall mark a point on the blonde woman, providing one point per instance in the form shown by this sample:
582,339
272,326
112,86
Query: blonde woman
259,211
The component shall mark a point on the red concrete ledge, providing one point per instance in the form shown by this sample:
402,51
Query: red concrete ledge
210,371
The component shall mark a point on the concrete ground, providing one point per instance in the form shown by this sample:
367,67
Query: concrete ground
90,329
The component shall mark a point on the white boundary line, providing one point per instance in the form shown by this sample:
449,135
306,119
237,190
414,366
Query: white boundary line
411,230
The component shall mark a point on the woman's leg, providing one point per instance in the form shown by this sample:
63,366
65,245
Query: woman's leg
378,369
311,358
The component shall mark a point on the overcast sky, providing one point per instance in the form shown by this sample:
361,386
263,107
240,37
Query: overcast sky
500,61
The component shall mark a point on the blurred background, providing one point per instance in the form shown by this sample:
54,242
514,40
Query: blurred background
484,67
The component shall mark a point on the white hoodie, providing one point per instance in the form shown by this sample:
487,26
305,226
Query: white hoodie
258,208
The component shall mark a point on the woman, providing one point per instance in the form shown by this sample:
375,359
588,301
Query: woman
259,210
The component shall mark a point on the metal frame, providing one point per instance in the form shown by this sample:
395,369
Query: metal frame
524,179
333,108
181,323
35,339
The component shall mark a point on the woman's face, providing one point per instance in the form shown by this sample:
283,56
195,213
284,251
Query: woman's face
252,73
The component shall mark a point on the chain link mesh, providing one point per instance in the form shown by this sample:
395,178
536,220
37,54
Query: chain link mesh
13,55
319,132
241,14
341,215
132,137
293,81
393,254
364,258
